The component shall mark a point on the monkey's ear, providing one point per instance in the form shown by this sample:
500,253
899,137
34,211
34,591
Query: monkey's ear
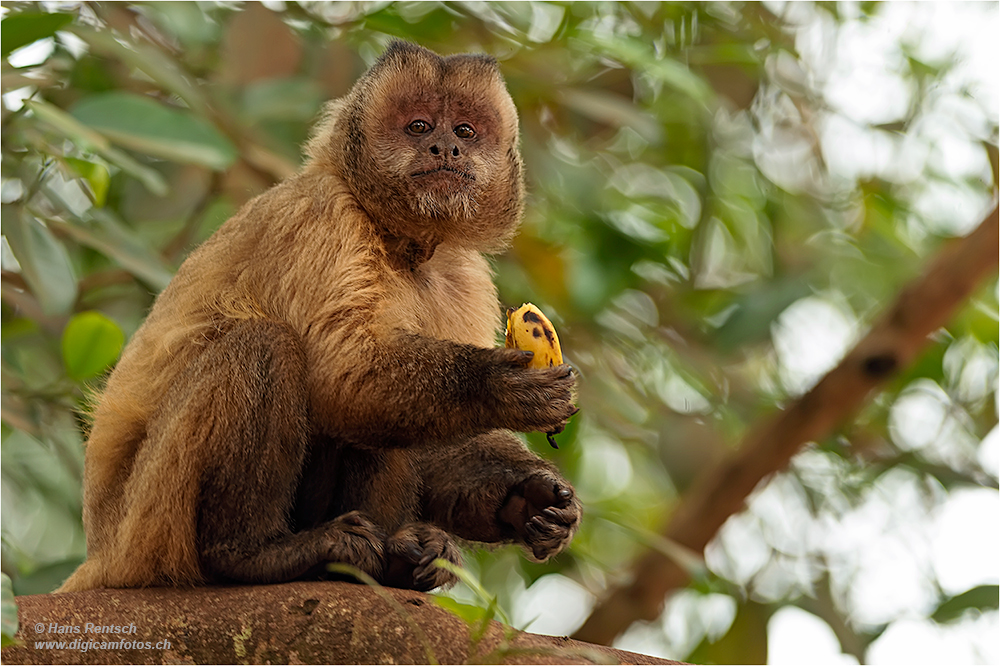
318,145
396,57
400,53
398,46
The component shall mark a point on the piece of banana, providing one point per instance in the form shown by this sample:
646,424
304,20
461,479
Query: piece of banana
529,329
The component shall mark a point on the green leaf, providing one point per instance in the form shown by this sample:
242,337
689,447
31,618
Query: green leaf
88,140
475,586
84,137
106,234
45,264
189,21
19,30
471,615
641,56
8,613
90,344
146,126
156,63
96,175
984,597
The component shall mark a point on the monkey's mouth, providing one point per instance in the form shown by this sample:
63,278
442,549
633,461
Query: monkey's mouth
443,169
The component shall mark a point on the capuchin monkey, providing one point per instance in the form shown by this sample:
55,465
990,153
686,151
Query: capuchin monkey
319,383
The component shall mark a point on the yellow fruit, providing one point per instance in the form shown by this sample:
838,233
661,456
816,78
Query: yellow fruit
530,330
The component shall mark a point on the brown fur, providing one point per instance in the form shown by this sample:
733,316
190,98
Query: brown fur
319,382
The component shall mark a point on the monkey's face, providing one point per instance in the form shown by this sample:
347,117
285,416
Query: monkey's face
444,148
437,153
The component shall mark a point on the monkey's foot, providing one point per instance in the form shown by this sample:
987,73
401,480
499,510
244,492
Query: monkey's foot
544,513
356,540
410,555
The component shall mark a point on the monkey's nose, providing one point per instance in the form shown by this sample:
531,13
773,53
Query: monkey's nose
453,149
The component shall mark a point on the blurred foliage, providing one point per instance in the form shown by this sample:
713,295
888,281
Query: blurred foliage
8,612
705,242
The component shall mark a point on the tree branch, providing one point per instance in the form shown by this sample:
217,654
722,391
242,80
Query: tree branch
721,491
299,623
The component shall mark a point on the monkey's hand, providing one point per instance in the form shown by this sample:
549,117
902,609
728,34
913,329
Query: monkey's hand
410,555
530,399
544,513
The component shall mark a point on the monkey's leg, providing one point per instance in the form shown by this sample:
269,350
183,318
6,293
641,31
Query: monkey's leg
385,484
242,406
493,489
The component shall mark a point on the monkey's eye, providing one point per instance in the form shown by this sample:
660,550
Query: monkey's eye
465,131
418,127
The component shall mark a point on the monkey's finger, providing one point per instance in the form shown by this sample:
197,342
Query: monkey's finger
427,570
543,535
566,516
428,574
515,357
535,527
425,580
353,518
566,370
405,548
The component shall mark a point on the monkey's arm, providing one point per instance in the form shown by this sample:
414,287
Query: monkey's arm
371,379
403,389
